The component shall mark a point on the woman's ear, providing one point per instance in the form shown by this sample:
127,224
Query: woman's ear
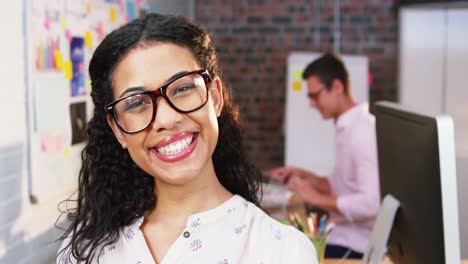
216,93
117,132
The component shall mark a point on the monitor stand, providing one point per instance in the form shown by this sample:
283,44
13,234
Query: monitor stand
377,246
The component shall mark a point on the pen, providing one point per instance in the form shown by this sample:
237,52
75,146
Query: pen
321,225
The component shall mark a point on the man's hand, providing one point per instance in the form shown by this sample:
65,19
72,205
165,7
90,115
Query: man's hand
284,174
305,188
308,190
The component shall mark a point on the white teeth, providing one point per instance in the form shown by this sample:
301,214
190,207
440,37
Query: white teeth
175,147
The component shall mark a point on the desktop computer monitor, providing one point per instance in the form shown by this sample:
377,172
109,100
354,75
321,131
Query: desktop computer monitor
417,166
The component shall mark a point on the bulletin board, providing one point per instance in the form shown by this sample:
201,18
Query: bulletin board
61,36
309,140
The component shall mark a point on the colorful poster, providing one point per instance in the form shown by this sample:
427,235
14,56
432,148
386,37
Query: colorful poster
78,87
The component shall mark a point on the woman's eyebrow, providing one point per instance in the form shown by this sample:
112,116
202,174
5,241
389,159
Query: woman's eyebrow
175,76
142,89
132,90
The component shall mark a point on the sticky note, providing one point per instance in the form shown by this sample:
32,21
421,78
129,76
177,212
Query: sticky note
112,15
88,39
58,60
297,85
47,143
122,6
297,74
100,30
69,36
131,12
68,70
60,141
47,23
63,22
88,8
138,4
40,56
66,152
88,84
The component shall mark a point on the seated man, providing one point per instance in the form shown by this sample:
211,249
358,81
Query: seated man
351,193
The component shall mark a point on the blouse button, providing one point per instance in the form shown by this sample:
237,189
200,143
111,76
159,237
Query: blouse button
186,234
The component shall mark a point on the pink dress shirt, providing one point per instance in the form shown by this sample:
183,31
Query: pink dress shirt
355,178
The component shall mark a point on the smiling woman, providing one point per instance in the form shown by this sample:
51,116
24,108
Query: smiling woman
164,177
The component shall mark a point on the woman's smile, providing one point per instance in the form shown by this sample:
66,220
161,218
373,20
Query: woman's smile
176,147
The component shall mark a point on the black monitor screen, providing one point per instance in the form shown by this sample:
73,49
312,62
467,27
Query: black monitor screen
409,170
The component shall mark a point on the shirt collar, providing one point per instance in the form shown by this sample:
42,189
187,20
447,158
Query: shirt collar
347,118
232,205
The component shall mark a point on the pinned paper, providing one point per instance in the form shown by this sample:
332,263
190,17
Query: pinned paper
89,85
138,4
131,12
68,70
51,105
122,6
100,30
88,8
297,74
60,141
112,14
47,23
88,39
66,152
68,35
297,86
58,60
47,143
63,22
40,56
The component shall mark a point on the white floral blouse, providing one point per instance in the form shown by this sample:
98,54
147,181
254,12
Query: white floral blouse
235,232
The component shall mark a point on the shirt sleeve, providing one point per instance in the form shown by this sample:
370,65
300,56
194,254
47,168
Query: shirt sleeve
363,204
298,248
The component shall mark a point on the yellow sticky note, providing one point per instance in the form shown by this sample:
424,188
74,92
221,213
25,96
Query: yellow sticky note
297,85
68,70
88,7
58,60
297,74
112,15
63,22
88,39
66,152
90,87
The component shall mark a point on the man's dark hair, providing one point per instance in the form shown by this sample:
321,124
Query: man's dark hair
328,68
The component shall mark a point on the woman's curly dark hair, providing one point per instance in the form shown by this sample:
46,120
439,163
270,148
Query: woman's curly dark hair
112,190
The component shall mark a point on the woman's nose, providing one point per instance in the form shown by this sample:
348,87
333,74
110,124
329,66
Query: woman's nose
166,117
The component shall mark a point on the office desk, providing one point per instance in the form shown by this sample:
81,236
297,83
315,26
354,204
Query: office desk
354,261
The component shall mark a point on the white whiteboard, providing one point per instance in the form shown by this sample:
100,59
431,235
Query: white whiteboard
309,140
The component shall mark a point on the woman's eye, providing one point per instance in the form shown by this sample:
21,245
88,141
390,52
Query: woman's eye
136,104
182,90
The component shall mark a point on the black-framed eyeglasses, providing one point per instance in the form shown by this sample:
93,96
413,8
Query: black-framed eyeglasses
185,93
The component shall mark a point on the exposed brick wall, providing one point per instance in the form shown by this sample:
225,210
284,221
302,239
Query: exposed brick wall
253,39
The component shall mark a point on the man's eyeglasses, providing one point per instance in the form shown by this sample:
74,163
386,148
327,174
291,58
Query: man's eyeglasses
185,93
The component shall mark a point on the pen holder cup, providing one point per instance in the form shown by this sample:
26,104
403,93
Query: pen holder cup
320,243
